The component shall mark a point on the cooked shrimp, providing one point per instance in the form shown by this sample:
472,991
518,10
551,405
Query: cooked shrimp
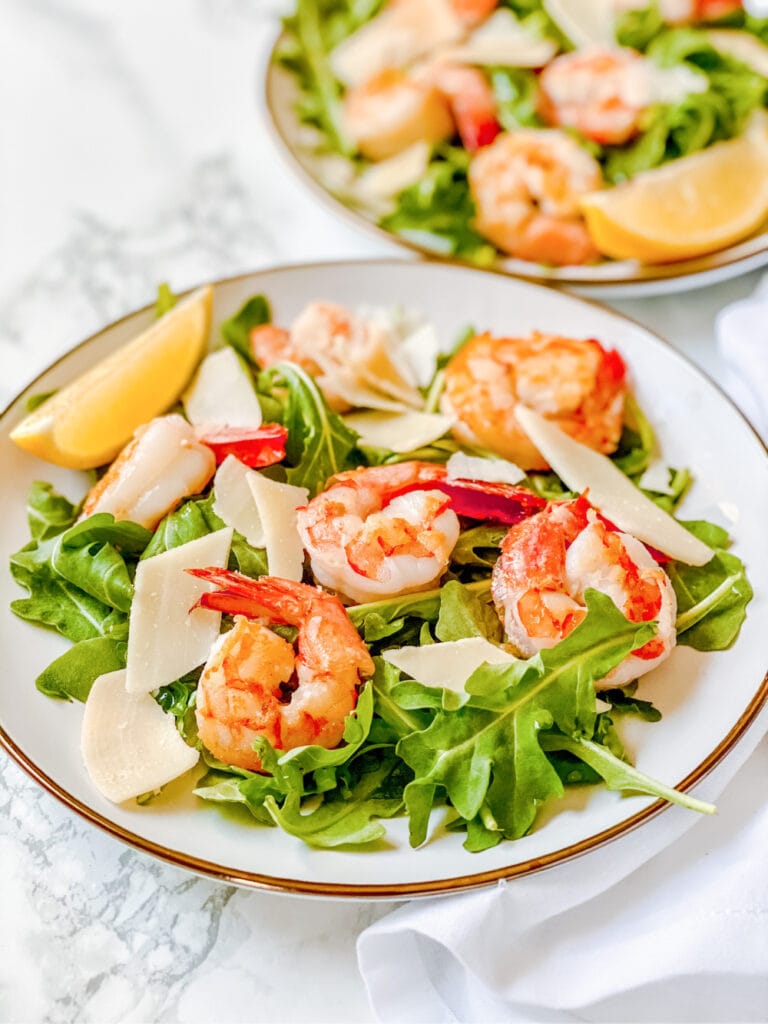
368,547
601,93
547,563
470,98
391,111
576,383
163,464
526,188
257,684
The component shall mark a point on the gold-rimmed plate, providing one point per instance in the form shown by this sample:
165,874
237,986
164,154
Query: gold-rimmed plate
708,700
328,177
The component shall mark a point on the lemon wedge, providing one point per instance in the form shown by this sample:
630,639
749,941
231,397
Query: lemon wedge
692,206
88,421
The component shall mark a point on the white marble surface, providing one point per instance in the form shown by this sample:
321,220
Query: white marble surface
134,149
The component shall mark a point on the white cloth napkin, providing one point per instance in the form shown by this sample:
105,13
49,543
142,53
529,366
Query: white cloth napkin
668,923
742,342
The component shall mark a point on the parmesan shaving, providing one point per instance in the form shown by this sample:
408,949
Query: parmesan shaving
166,639
277,504
129,744
582,469
221,393
233,501
448,665
469,467
398,431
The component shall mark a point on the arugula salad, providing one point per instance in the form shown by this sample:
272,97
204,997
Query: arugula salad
353,571
551,131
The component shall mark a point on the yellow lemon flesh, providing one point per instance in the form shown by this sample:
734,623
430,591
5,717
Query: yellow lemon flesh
86,423
692,206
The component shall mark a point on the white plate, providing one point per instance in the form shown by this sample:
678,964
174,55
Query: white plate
611,279
707,700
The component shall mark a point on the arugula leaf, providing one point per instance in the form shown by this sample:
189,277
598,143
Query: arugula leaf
179,699
487,752
341,820
236,331
624,702
165,300
437,212
90,555
315,28
516,91
463,614
319,442
60,605
479,546
400,721
196,518
617,774
48,513
35,401
712,599
72,675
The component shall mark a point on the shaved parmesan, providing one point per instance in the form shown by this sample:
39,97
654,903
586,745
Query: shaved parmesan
129,744
469,467
448,665
378,367
656,478
398,431
165,638
277,504
233,500
388,178
585,22
222,394
502,39
741,45
421,349
347,385
582,469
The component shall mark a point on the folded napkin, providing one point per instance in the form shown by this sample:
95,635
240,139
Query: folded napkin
742,343
666,923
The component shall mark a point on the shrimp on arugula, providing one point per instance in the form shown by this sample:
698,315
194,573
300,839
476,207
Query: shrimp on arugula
548,562
576,383
257,684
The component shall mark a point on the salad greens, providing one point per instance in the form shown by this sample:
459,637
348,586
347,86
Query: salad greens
700,118
491,755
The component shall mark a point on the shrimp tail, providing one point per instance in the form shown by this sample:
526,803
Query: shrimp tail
281,601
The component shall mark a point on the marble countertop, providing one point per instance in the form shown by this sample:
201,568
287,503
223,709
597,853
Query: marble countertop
135,150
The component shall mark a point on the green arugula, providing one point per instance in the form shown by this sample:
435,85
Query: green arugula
712,599
236,331
486,754
319,442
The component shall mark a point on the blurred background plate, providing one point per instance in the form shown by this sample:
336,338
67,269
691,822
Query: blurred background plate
611,279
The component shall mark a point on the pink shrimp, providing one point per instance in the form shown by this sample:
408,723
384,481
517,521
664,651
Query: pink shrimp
601,93
576,383
163,464
257,684
548,561
388,530
526,188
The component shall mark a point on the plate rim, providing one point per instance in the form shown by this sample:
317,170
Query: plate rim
389,891
665,272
